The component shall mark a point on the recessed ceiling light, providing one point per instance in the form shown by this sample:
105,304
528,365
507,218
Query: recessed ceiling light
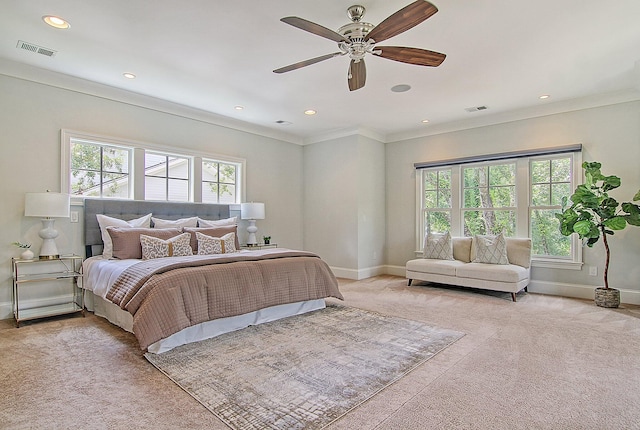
129,75
400,88
238,107
310,112
544,96
55,21
425,121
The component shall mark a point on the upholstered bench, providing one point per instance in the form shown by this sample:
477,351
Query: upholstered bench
511,277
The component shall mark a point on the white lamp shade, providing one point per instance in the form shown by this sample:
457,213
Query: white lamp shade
252,210
47,205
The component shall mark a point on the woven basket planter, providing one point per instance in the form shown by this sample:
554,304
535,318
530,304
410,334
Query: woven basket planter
607,297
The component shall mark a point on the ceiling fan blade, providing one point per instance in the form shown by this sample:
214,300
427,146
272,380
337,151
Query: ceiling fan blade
314,28
404,19
357,75
306,62
420,57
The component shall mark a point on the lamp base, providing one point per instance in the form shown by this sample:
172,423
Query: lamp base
49,250
252,229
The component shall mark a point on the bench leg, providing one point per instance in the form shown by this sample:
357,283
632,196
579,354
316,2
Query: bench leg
409,282
526,289
513,296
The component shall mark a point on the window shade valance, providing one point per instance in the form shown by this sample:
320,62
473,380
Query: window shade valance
501,156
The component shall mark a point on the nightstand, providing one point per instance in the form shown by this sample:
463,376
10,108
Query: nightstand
260,246
28,273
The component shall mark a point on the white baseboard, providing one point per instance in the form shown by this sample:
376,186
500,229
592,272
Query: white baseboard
396,270
579,291
358,274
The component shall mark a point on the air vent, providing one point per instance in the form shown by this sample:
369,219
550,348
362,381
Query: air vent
35,48
476,108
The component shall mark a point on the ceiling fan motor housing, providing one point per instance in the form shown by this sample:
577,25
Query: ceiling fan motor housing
355,32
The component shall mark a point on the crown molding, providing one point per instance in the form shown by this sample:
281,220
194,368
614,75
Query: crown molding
71,83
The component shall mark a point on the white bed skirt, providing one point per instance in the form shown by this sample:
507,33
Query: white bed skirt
206,330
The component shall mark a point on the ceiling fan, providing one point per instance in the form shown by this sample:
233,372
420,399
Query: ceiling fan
357,39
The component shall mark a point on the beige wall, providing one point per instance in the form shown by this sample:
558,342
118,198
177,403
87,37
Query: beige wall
609,134
32,116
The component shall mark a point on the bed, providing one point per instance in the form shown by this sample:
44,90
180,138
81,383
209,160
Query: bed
171,301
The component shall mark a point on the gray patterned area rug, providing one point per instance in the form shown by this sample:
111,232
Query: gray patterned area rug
304,371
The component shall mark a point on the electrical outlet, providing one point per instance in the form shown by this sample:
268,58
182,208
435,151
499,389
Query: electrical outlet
593,270
74,216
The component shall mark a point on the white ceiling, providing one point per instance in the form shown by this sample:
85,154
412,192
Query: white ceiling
214,55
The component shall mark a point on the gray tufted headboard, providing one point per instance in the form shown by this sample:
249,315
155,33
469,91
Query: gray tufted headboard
130,209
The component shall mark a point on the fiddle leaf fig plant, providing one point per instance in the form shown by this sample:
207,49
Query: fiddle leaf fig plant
594,214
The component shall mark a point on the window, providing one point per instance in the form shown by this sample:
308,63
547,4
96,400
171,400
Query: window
550,182
518,196
166,177
102,166
489,199
437,201
99,170
219,182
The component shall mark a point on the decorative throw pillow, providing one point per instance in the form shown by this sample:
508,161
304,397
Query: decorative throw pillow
217,223
178,223
438,246
153,247
490,249
107,221
208,245
213,232
126,241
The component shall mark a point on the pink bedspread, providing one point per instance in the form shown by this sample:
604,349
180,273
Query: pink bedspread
166,295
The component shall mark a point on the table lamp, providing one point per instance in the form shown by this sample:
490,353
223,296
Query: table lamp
47,206
252,212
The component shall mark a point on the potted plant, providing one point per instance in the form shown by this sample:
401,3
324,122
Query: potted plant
266,239
594,214
27,254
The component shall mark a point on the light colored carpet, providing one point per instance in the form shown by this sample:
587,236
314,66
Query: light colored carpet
301,372
541,363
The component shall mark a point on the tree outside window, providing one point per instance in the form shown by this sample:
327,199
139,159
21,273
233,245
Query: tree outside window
99,170
219,182
489,199
550,182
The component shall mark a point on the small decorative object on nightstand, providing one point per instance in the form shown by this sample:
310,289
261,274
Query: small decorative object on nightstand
27,254
266,239
28,272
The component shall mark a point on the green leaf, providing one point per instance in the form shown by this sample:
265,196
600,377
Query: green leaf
592,241
610,182
583,227
633,219
636,197
616,223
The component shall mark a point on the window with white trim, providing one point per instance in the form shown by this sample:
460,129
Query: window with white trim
99,170
518,196
166,177
436,200
219,181
102,166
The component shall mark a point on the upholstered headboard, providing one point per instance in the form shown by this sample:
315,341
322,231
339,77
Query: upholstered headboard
130,209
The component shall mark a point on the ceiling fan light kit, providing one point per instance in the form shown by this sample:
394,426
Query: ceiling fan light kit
357,39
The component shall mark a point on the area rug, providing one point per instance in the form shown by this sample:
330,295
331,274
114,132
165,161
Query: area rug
304,371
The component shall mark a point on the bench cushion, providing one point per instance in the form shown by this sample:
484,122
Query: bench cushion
493,272
438,267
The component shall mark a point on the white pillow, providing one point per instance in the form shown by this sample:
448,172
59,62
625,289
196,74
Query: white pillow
490,249
217,223
178,223
208,245
438,246
177,246
107,221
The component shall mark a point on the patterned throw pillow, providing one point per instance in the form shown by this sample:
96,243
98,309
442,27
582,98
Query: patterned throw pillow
177,246
208,245
491,249
438,246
